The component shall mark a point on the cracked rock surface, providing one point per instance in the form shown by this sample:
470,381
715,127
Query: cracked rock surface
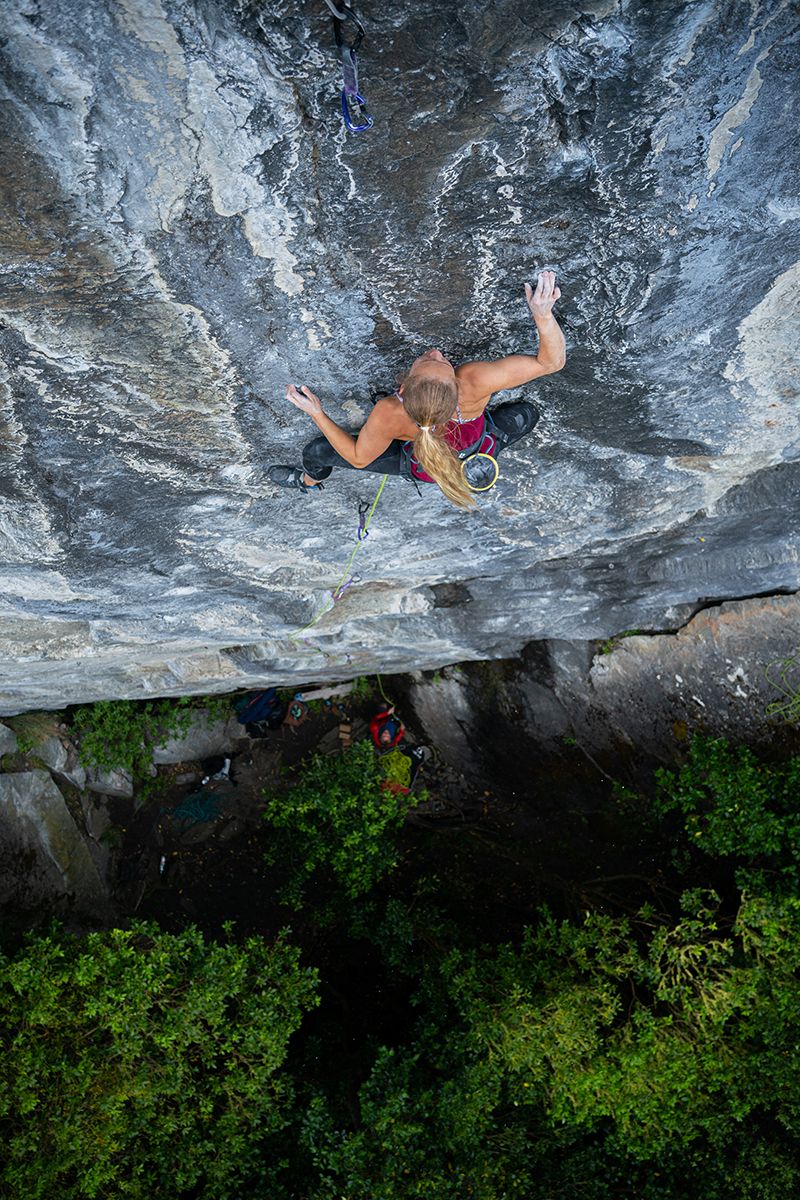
187,228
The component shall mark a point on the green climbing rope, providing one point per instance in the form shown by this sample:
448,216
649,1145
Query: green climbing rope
338,590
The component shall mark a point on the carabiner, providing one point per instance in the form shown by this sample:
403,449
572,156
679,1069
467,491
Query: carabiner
354,110
356,101
363,512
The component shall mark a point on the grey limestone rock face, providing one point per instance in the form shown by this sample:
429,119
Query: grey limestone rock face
44,861
728,670
187,229
8,740
110,783
202,739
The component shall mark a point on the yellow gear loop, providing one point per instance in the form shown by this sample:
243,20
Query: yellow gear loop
486,486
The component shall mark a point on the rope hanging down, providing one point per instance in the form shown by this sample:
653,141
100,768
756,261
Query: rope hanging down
365,515
354,107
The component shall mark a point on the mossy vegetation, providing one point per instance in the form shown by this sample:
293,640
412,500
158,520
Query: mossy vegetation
436,1016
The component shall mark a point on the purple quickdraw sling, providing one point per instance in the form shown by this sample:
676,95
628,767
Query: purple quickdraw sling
354,108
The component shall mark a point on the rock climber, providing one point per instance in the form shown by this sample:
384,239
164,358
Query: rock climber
435,425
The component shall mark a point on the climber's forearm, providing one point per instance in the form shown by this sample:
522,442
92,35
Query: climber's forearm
360,451
552,353
343,442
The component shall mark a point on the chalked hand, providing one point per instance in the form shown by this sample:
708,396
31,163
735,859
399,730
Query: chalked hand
541,301
304,399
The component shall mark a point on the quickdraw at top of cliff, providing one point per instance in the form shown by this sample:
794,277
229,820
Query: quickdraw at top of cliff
354,107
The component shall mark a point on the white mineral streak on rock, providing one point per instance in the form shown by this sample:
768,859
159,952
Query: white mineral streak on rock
785,208
155,152
12,431
257,555
485,313
695,25
158,174
449,175
312,336
734,118
767,363
27,536
54,73
763,373
341,144
229,154
26,532
36,585
147,22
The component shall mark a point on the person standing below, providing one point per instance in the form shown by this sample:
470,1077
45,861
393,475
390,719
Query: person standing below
437,419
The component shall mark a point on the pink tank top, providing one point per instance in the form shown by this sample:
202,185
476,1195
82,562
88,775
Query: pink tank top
461,435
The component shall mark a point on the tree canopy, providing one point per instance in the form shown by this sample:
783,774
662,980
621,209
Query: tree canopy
427,1044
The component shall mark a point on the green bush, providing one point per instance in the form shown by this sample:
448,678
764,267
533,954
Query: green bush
121,734
732,803
144,1064
336,822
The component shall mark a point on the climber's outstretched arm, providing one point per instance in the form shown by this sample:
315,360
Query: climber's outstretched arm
375,437
488,377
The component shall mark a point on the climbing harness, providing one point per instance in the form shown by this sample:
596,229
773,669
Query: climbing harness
478,462
354,107
365,515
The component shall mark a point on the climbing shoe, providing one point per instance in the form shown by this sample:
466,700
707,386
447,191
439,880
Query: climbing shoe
513,421
290,477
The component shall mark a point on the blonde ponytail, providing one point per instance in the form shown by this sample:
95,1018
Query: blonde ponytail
439,461
431,404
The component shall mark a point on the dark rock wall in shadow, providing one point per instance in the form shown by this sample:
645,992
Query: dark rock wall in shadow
594,712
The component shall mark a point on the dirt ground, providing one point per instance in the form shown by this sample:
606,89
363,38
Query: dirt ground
194,852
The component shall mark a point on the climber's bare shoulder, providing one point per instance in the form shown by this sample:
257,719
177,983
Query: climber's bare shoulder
478,381
391,418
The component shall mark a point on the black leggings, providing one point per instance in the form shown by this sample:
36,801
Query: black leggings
512,422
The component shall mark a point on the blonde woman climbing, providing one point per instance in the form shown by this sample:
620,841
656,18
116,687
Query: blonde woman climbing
435,428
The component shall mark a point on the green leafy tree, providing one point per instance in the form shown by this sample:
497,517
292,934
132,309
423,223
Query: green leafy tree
659,1059
137,1063
336,822
733,804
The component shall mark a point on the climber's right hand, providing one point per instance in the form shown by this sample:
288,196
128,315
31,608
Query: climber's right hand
541,301
304,399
